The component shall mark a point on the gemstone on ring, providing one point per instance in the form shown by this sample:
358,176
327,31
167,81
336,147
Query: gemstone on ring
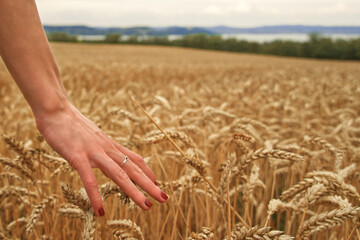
125,160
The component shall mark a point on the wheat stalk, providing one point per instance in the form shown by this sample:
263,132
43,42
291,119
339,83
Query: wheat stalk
18,192
331,182
327,220
36,212
10,175
124,226
71,212
22,220
124,113
75,198
89,226
19,148
15,164
241,233
206,233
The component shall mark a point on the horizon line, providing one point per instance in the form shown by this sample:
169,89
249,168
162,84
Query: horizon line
187,26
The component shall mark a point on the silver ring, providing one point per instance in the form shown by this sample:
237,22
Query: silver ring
125,160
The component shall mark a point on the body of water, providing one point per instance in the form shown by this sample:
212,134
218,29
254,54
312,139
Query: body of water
293,37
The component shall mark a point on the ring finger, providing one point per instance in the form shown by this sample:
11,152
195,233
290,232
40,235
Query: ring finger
138,160
137,175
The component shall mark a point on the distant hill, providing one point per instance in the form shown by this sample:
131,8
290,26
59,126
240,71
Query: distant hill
176,30
84,30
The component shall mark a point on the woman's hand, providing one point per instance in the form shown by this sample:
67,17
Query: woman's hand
85,146
27,54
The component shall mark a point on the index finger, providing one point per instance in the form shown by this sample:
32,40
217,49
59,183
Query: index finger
91,186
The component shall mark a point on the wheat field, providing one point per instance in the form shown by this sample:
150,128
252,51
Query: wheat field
269,147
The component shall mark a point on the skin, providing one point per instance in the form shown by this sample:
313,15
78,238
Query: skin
26,52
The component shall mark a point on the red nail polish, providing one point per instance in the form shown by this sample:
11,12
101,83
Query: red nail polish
156,183
101,212
148,203
163,195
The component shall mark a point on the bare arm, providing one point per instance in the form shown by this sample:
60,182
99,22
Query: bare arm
27,54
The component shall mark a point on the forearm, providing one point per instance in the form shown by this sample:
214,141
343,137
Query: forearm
27,54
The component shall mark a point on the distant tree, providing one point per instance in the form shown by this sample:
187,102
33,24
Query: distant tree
133,39
316,47
230,44
196,40
282,48
314,37
344,50
355,43
112,38
215,42
157,40
61,37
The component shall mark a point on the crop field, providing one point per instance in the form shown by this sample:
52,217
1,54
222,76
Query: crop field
267,147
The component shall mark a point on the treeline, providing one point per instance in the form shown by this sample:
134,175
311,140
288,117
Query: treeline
316,47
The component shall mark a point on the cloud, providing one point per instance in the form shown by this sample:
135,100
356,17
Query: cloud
271,10
241,7
227,9
214,10
199,12
336,8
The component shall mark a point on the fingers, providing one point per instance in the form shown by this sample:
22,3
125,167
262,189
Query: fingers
138,176
138,160
90,184
120,177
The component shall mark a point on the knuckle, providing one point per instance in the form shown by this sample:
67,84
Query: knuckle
75,161
122,176
90,183
137,195
95,152
141,160
94,164
137,170
112,152
96,199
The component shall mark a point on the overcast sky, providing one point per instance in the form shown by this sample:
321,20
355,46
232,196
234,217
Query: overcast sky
236,13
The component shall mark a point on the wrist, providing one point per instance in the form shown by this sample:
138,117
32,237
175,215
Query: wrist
51,111
45,93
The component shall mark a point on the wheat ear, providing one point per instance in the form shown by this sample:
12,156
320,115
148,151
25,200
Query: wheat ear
124,226
327,220
205,233
36,212
89,226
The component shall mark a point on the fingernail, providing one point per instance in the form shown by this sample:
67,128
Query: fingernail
156,183
163,195
101,212
148,203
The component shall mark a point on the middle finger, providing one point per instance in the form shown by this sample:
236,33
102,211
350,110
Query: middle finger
137,175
